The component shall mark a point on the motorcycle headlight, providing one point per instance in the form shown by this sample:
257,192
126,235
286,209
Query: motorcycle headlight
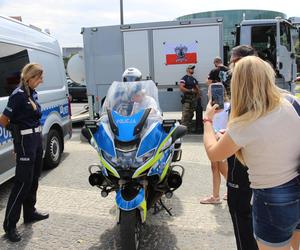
111,160
126,159
145,157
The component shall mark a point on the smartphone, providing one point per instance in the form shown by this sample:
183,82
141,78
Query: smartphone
217,94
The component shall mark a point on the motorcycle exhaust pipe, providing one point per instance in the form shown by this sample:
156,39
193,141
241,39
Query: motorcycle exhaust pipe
96,179
174,179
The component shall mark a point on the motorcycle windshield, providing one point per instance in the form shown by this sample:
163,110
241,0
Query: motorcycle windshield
129,98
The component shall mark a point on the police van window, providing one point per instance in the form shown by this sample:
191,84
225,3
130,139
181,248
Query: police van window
285,37
12,59
264,41
53,78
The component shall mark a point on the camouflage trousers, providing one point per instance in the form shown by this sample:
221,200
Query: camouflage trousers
188,109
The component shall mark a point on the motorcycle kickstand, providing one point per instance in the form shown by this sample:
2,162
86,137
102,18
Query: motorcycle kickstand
164,206
156,208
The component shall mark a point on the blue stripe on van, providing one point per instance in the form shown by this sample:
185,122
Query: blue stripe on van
62,110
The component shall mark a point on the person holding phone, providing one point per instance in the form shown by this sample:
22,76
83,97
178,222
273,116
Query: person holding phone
263,132
239,192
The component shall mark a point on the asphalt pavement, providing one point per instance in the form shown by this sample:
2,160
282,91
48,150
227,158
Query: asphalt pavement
81,219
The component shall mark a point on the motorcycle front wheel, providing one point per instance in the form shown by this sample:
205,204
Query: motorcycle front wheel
130,229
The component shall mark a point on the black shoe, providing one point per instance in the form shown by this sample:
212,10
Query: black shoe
13,235
36,216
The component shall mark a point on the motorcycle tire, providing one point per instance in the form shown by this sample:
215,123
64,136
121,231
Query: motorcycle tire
130,229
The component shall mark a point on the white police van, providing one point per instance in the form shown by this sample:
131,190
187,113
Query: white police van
21,44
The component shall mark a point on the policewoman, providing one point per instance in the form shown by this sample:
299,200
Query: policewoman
22,117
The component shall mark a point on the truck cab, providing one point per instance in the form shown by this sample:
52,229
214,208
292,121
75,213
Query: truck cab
275,41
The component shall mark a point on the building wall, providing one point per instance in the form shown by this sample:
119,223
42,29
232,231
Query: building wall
233,17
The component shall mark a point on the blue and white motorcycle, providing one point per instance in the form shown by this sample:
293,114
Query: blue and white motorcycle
137,150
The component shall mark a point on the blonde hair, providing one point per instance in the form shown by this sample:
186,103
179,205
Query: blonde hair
253,92
30,71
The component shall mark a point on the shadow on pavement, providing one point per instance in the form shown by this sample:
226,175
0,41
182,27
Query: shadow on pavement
26,232
220,212
45,172
154,237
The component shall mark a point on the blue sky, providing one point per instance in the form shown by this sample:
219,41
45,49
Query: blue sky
65,18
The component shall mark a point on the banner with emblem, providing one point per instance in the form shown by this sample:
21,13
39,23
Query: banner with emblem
181,53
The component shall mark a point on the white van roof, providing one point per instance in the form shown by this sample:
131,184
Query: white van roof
15,32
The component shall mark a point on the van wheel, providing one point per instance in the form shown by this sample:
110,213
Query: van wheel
53,149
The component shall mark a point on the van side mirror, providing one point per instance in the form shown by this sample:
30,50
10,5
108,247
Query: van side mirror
293,55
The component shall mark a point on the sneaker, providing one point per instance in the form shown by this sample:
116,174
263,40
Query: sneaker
211,200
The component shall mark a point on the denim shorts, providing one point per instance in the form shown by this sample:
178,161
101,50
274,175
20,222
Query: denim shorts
276,213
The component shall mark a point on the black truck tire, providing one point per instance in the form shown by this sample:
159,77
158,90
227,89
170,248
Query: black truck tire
53,150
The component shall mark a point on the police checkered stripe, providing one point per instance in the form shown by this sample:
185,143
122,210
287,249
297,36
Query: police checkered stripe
5,136
6,141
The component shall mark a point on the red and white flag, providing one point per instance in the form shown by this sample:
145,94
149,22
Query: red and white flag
181,53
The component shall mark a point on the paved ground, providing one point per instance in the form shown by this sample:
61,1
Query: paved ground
81,219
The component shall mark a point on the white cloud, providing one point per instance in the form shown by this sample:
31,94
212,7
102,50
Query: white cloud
65,18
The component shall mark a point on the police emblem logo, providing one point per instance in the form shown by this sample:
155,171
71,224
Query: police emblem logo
180,52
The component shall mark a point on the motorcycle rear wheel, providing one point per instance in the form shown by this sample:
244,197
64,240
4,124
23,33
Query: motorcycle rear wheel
130,229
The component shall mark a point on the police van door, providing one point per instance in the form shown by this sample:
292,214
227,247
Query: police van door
285,55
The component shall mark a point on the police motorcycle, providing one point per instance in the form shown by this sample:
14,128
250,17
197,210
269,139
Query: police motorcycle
137,151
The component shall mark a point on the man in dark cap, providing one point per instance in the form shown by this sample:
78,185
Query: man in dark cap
191,101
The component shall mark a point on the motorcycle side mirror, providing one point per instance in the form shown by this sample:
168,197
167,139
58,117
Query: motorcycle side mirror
86,134
89,125
179,132
293,55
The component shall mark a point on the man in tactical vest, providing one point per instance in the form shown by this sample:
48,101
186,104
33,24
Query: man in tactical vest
190,97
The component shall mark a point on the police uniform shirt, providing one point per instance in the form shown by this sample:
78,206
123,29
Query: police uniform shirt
20,111
189,82
218,74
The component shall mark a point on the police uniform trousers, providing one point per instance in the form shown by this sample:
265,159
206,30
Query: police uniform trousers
29,152
239,196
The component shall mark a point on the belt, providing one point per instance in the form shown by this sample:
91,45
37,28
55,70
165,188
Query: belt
31,130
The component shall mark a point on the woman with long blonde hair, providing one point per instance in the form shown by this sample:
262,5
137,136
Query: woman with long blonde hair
263,131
